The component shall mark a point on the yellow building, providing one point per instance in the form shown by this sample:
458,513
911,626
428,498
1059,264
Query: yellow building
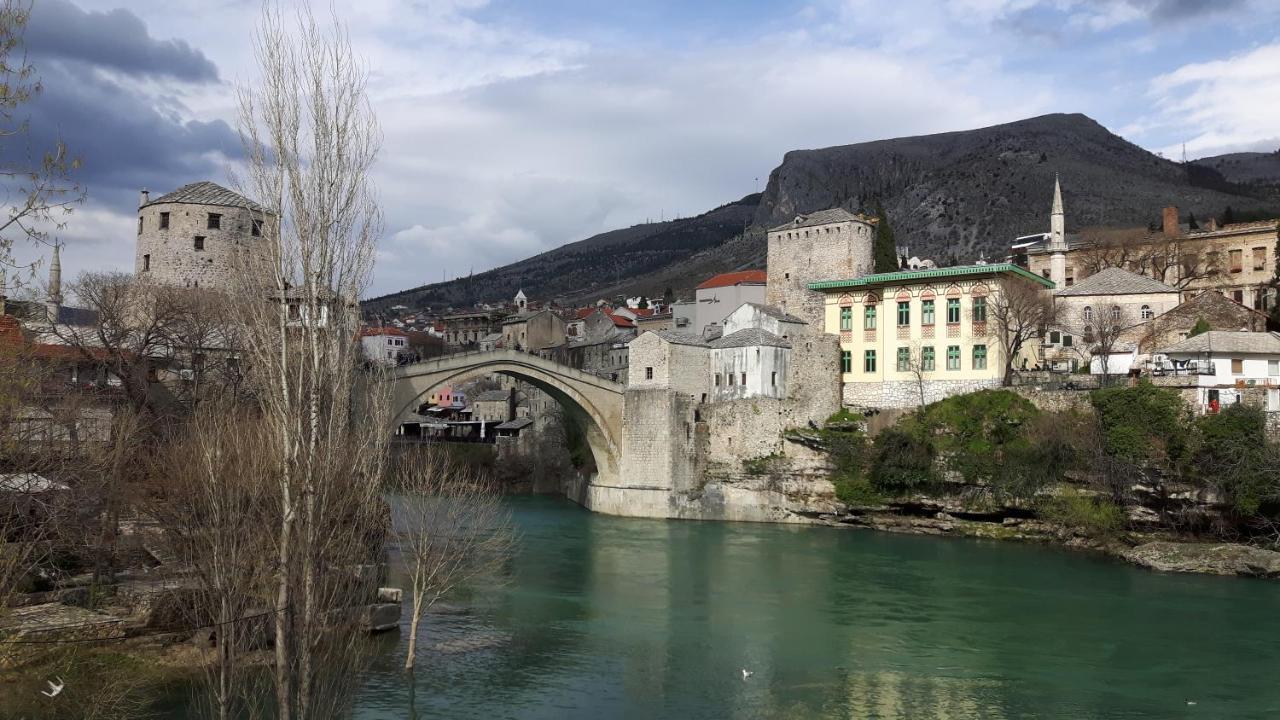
908,337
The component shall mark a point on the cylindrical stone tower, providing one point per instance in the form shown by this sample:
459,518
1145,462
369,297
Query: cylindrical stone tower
199,235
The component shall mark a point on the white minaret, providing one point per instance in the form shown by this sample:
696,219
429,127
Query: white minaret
1057,238
54,299
521,301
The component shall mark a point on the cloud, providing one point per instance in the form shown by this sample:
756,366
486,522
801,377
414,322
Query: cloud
117,39
1227,105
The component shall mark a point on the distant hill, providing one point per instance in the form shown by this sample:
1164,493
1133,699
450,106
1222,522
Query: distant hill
1248,168
951,196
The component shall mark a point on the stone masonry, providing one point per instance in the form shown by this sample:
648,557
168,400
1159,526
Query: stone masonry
199,235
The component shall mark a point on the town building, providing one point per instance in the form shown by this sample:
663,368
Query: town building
466,329
200,235
384,345
533,332
1238,260
1208,308
656,321
831,243
1226,364
717,296
496,406
919,336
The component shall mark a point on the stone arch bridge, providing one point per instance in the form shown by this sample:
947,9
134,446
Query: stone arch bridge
595,402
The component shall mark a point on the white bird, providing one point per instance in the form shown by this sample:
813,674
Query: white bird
746,674
1191,702
54,689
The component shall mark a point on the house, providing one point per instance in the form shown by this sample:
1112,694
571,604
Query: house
490,342
1209,307
532,332
465,329
670,360
718,296
493,406
918,336
1101,320
1225,364
384,345
447,397
656,321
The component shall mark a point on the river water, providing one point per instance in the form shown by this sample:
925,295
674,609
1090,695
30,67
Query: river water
606,617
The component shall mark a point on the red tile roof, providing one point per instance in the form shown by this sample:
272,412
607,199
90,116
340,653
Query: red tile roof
642,312
619,321
743,277
386,330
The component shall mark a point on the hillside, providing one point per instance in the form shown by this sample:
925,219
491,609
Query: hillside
1248,168
951,196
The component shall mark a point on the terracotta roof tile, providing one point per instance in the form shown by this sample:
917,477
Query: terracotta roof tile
729,279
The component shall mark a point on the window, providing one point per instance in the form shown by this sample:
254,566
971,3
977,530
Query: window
953,311
732,377
1273,368
255,228
926,312
717,379
1238,296
146,262
1147,313
773,379
1071,276
980,310
1237,366
1236,258
294,311
1115,312
926,359
1066,340
1055,337
869,318
869,361
904,359
139,225
979,357
846,319
164,221
215,221
743,379
648,373
953,357
904,313
199,244
846,361
1088,314
1260,258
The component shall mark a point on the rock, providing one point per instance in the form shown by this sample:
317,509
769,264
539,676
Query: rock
381,617
1211,558
390,595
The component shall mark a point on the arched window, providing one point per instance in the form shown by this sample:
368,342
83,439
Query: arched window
1147,314
1088,314
1088,333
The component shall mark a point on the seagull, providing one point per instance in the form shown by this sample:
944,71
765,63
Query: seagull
746,674
54,689
1191,702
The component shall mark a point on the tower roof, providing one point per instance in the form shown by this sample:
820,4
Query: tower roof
207,193
1057,195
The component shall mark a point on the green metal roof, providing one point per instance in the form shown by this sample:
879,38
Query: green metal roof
909,276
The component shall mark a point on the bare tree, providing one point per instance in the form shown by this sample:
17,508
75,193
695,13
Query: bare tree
1174,260
311,140
450,525
39,190
1021,311
1100,327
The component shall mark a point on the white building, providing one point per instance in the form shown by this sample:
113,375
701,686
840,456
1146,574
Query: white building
1226,362
383,345
720,295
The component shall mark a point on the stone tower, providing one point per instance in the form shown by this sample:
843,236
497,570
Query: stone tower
199,235
1057,238
827,245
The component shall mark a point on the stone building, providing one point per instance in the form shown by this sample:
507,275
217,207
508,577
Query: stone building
200,235
1114,298
1237,260
533,332
467,329
1209,306
928,332
832,243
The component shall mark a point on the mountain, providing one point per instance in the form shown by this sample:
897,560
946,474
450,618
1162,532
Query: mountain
951,196
1247,168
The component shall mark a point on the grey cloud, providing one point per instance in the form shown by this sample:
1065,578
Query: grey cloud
117,39
1172,10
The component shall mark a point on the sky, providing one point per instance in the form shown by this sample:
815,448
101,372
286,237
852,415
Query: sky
511,128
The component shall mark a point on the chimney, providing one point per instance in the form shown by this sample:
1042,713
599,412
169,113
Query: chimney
1171,222
144,198
1212,224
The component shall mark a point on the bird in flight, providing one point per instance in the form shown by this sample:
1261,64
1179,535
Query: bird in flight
54,688
746,674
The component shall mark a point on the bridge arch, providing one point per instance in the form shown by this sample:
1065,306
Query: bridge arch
596,403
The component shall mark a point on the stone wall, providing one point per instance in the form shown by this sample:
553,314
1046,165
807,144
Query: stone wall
170,257
896,394
812,254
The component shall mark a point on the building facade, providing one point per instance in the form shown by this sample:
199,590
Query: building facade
200,235
913,337
718,296
832,243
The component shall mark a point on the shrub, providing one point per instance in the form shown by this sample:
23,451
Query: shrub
1232,456
902,462
976,433
857,492
1142,425
1090,516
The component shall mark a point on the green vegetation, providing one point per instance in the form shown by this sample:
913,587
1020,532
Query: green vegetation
902,462
1144,426
1231,456
885,249
1093,517
1201,326
762,465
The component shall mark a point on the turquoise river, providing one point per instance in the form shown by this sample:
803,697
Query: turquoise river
605,617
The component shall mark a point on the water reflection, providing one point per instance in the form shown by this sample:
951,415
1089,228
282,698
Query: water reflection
609,617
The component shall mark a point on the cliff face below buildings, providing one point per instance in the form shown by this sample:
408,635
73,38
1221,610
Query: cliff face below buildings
951,196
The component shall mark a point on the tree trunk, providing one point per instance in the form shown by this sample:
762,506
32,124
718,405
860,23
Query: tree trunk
284,675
